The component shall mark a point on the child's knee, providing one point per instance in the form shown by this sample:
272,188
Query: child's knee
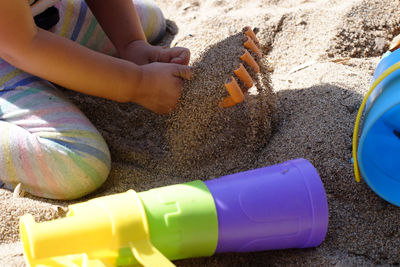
84,178
72,177
85,188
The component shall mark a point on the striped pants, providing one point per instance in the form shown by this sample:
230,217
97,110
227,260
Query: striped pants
46,143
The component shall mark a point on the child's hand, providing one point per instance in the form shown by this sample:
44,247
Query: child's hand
161,86
142,53
177,55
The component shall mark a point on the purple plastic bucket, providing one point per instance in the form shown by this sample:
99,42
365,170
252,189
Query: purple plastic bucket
277,207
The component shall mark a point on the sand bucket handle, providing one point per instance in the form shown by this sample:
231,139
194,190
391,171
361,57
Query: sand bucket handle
381,77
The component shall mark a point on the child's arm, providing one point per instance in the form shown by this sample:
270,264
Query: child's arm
155,86
121,22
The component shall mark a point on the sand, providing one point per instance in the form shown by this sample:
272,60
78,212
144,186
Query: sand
321,55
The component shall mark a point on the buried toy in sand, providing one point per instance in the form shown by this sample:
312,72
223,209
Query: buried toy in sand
226,111
236,93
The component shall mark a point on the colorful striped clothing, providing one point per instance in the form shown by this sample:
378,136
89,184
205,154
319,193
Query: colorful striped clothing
46,143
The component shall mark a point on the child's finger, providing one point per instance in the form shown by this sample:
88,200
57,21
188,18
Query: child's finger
182,71
176,55
181,57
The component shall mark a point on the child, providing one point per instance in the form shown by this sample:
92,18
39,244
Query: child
46,144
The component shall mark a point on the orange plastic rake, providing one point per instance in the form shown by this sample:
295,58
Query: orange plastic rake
244,76
250,44
236,93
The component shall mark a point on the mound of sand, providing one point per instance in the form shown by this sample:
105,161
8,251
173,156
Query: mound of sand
366,30
203,136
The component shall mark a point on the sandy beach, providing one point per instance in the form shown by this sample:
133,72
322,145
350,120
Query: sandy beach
317,64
